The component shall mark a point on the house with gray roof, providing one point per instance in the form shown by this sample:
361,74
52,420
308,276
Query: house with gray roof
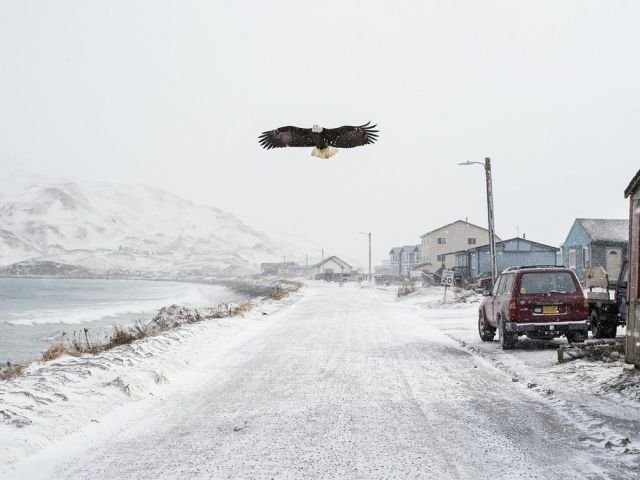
513,252
596,242
331,268
402,259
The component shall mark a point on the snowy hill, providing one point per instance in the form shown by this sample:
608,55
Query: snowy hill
123,229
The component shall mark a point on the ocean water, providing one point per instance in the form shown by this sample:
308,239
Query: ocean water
34,313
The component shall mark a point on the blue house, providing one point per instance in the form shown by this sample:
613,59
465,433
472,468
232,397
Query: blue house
509,253
402,259
595,242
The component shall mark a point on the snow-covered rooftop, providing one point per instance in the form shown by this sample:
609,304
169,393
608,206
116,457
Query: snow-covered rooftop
605,229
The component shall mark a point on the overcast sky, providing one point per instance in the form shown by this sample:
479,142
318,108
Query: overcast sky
174,94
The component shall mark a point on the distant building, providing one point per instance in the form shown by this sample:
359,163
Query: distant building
402,259
454,237
632,347
279,268
331,268
509,253
594,242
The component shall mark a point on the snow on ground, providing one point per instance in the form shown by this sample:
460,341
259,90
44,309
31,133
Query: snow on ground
348,382
57,398
603,397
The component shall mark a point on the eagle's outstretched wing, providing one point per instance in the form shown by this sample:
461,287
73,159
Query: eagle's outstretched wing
349,136
286,137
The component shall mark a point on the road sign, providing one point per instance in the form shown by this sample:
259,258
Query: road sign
447,278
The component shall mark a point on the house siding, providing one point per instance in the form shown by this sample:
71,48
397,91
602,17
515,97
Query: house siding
597,251
576,241
457,235
402,259
510,253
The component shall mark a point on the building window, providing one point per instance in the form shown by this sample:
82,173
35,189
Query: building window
572,258
586,259
471,241
442,240
440,258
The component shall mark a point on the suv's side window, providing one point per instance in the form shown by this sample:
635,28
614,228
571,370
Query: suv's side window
506,285
496,287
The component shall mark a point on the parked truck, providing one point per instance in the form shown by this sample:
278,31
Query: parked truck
607,301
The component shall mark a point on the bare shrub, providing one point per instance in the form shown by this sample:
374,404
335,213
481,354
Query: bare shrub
55,351
120,336
283,289
241,309
140,330
406,289
11,371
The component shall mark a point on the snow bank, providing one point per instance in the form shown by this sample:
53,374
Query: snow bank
57,398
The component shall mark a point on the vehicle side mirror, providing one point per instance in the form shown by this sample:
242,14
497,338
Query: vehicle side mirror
486,293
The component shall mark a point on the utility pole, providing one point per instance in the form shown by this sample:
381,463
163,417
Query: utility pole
492,231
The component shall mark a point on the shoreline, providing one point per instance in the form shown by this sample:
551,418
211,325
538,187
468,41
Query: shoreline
28,342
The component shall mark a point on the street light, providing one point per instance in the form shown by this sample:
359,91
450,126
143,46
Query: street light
492,231
369,234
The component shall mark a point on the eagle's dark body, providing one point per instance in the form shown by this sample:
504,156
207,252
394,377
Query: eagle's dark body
325,141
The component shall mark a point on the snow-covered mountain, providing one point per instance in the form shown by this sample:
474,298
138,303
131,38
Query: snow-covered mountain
123,229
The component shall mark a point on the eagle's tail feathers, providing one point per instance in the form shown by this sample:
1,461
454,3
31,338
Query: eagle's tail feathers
324,153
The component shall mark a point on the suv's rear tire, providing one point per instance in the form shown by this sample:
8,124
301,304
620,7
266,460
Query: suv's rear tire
596,328
508,340
486,331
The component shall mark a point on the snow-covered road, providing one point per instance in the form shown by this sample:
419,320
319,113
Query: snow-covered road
345,383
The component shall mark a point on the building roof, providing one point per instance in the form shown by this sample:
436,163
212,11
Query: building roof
605,229
633,185
452,223
399,250
334,258
501,242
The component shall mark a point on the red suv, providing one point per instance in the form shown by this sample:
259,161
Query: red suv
539,302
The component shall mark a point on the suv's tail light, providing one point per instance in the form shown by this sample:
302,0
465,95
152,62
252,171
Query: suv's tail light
513,314
585,306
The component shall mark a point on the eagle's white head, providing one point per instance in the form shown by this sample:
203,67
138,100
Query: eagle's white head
316,129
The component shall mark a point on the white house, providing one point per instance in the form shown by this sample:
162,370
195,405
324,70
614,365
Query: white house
330,266
454,237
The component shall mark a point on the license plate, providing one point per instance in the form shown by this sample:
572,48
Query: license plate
549,310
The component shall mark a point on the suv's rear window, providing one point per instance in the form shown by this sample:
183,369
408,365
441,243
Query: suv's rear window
547,282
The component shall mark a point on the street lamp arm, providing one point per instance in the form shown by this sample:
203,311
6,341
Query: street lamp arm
471,163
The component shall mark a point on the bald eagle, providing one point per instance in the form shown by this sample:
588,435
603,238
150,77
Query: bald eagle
325,141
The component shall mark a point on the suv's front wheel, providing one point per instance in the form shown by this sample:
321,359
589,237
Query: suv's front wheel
486,331
508,340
